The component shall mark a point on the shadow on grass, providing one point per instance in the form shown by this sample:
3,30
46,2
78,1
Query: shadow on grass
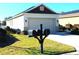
56,53
8,41
36,51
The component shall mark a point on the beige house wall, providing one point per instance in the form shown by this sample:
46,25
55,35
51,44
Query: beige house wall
71,20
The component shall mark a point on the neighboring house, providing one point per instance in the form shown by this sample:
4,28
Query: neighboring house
31,19
71,17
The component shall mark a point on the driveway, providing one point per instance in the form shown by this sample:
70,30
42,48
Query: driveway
65,38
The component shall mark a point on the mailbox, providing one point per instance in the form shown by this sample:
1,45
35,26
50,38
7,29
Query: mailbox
34,33
41,33
46,32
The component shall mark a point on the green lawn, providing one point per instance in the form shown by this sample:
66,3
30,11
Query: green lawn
30,46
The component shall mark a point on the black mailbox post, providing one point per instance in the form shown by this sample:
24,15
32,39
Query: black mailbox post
41,33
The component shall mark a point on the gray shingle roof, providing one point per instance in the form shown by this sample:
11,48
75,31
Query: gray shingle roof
70,12
31,10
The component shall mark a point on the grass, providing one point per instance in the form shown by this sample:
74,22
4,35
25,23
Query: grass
31,46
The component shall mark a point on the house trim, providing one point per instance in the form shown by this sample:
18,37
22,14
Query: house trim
68,17
33,15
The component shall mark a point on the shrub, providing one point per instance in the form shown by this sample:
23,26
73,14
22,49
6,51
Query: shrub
69,27
76,26
61,28
7,28
25,32
75,31
18,31
2,35
2,31
11,30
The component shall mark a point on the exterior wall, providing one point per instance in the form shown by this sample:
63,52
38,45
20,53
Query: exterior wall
27,21
73,20
48,21
17,23
9,23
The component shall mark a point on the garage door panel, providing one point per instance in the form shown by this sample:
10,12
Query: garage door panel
47,24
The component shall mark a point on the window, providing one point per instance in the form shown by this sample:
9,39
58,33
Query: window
41,8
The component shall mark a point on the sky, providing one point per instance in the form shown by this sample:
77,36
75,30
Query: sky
11,9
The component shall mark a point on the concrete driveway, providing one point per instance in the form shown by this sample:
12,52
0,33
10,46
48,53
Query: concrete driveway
65,38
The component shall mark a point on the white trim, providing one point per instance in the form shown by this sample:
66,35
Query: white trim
33,8
35,15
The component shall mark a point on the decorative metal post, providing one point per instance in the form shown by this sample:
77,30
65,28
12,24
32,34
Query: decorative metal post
41,34
41,38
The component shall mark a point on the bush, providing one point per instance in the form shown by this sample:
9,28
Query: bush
18,31
61,28
2,31
2,35
75,31
7,28
25,32
11,30
76,26
69,27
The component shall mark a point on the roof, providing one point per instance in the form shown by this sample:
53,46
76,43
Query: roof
35,9
70,12
74,13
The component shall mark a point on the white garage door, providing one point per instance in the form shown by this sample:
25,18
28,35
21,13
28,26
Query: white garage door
34,23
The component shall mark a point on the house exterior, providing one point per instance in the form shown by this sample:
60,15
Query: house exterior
71,17
31,19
